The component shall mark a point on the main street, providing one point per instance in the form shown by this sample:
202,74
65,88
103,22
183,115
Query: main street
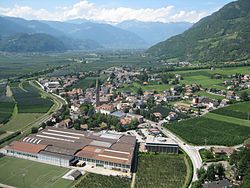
191,151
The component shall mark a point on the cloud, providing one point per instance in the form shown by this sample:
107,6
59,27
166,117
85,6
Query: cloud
85,9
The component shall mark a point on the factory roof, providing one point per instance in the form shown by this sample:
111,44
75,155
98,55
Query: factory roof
26,147
64,143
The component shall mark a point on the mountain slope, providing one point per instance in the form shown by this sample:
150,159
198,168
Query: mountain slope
35,26
223,36
31,43
9,27
154,32
105,34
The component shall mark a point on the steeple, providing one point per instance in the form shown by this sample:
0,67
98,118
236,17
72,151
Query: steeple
97,93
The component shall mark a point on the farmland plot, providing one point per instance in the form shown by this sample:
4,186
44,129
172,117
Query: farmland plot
161,171
240,110
29,99
6,105
99,181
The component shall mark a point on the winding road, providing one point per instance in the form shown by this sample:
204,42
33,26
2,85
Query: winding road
192,151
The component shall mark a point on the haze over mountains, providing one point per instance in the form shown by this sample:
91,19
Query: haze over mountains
154,32
80,34
223,36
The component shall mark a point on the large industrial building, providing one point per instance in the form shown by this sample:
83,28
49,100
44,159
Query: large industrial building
161,144
64,147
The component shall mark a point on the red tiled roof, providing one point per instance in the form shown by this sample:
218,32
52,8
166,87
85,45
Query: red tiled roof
26,147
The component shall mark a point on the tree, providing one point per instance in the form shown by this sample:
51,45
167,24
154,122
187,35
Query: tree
220,170
43,125
126,110
197,184
34,130
140,91
244,96
211,172
202,174
77,126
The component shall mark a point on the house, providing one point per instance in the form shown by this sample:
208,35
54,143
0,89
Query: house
223,151
118,114
218,184
84,127
135,116
65,124
126,121
172,116
158,115
230,95
105,109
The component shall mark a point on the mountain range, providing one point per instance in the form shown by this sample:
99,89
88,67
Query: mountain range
222,36
154,32
81,34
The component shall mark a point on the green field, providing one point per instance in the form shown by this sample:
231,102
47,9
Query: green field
25,173
6,105
87,82
11,65
203,77
29,99
20,121
241,110
205,94
205,130
99,181
151,87
162,171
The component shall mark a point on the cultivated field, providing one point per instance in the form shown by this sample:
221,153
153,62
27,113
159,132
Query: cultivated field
241,110
25,173
6,105
12,65
212,96
206,130
161,171
99,181
87,82
20,121
29,99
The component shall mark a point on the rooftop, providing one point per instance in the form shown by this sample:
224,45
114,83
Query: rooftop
66,143
159,140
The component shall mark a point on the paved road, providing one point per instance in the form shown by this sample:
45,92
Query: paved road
191,151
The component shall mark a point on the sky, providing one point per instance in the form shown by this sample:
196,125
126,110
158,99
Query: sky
112,11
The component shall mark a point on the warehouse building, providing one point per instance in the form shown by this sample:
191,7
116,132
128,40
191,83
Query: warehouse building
161,144
67,147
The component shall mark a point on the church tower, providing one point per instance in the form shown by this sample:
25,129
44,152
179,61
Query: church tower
97,93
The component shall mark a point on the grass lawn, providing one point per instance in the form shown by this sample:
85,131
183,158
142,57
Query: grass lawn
29,174
162,170
99,181
19,121
205,94
205,81
135,86
212,131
